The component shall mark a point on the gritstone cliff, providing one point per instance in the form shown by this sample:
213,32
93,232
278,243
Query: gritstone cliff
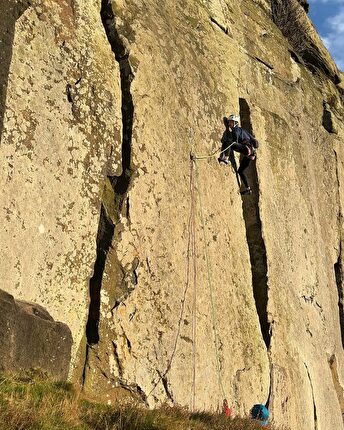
101,103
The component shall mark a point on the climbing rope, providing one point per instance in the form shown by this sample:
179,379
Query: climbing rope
194,301
213,154
191,252
210,285
194,168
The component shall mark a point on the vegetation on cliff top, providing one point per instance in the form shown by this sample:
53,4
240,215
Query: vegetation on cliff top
32,402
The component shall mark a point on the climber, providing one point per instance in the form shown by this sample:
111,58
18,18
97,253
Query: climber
237,139
261,414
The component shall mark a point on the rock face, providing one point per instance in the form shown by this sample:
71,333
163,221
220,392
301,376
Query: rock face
304,4
195,294
30,338
60,111
290,17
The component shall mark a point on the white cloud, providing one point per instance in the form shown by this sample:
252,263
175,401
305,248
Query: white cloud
332,29
326,1
334,37
327,42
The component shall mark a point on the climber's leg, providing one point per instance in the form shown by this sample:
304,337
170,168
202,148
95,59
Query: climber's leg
239,147
243,165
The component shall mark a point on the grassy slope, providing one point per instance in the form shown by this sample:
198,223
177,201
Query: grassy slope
31,402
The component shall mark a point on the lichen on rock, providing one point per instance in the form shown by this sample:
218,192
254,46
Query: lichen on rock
101,113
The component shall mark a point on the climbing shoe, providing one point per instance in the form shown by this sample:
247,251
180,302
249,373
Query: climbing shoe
246,192
224,160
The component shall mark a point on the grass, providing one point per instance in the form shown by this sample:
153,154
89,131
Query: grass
31,402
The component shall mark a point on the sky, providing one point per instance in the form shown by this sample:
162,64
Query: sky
328,17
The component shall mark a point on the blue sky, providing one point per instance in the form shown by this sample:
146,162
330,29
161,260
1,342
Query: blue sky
328,17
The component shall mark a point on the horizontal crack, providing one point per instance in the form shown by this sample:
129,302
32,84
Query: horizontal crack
221,27
265,63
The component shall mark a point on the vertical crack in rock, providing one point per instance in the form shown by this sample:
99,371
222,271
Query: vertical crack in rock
120,184
83,377
164,381
120,48
256,245
254,237
327,120
336,383
118,361
104,240
338,270
313,398
272,384
338,267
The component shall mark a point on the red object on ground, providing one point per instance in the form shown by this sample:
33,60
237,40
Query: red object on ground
226,408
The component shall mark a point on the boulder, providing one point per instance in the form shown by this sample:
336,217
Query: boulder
30,338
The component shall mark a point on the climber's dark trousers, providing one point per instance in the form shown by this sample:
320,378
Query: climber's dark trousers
242,149
243,165
239,147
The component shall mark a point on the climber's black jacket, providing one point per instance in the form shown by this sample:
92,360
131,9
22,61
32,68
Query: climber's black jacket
242,136
239,135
